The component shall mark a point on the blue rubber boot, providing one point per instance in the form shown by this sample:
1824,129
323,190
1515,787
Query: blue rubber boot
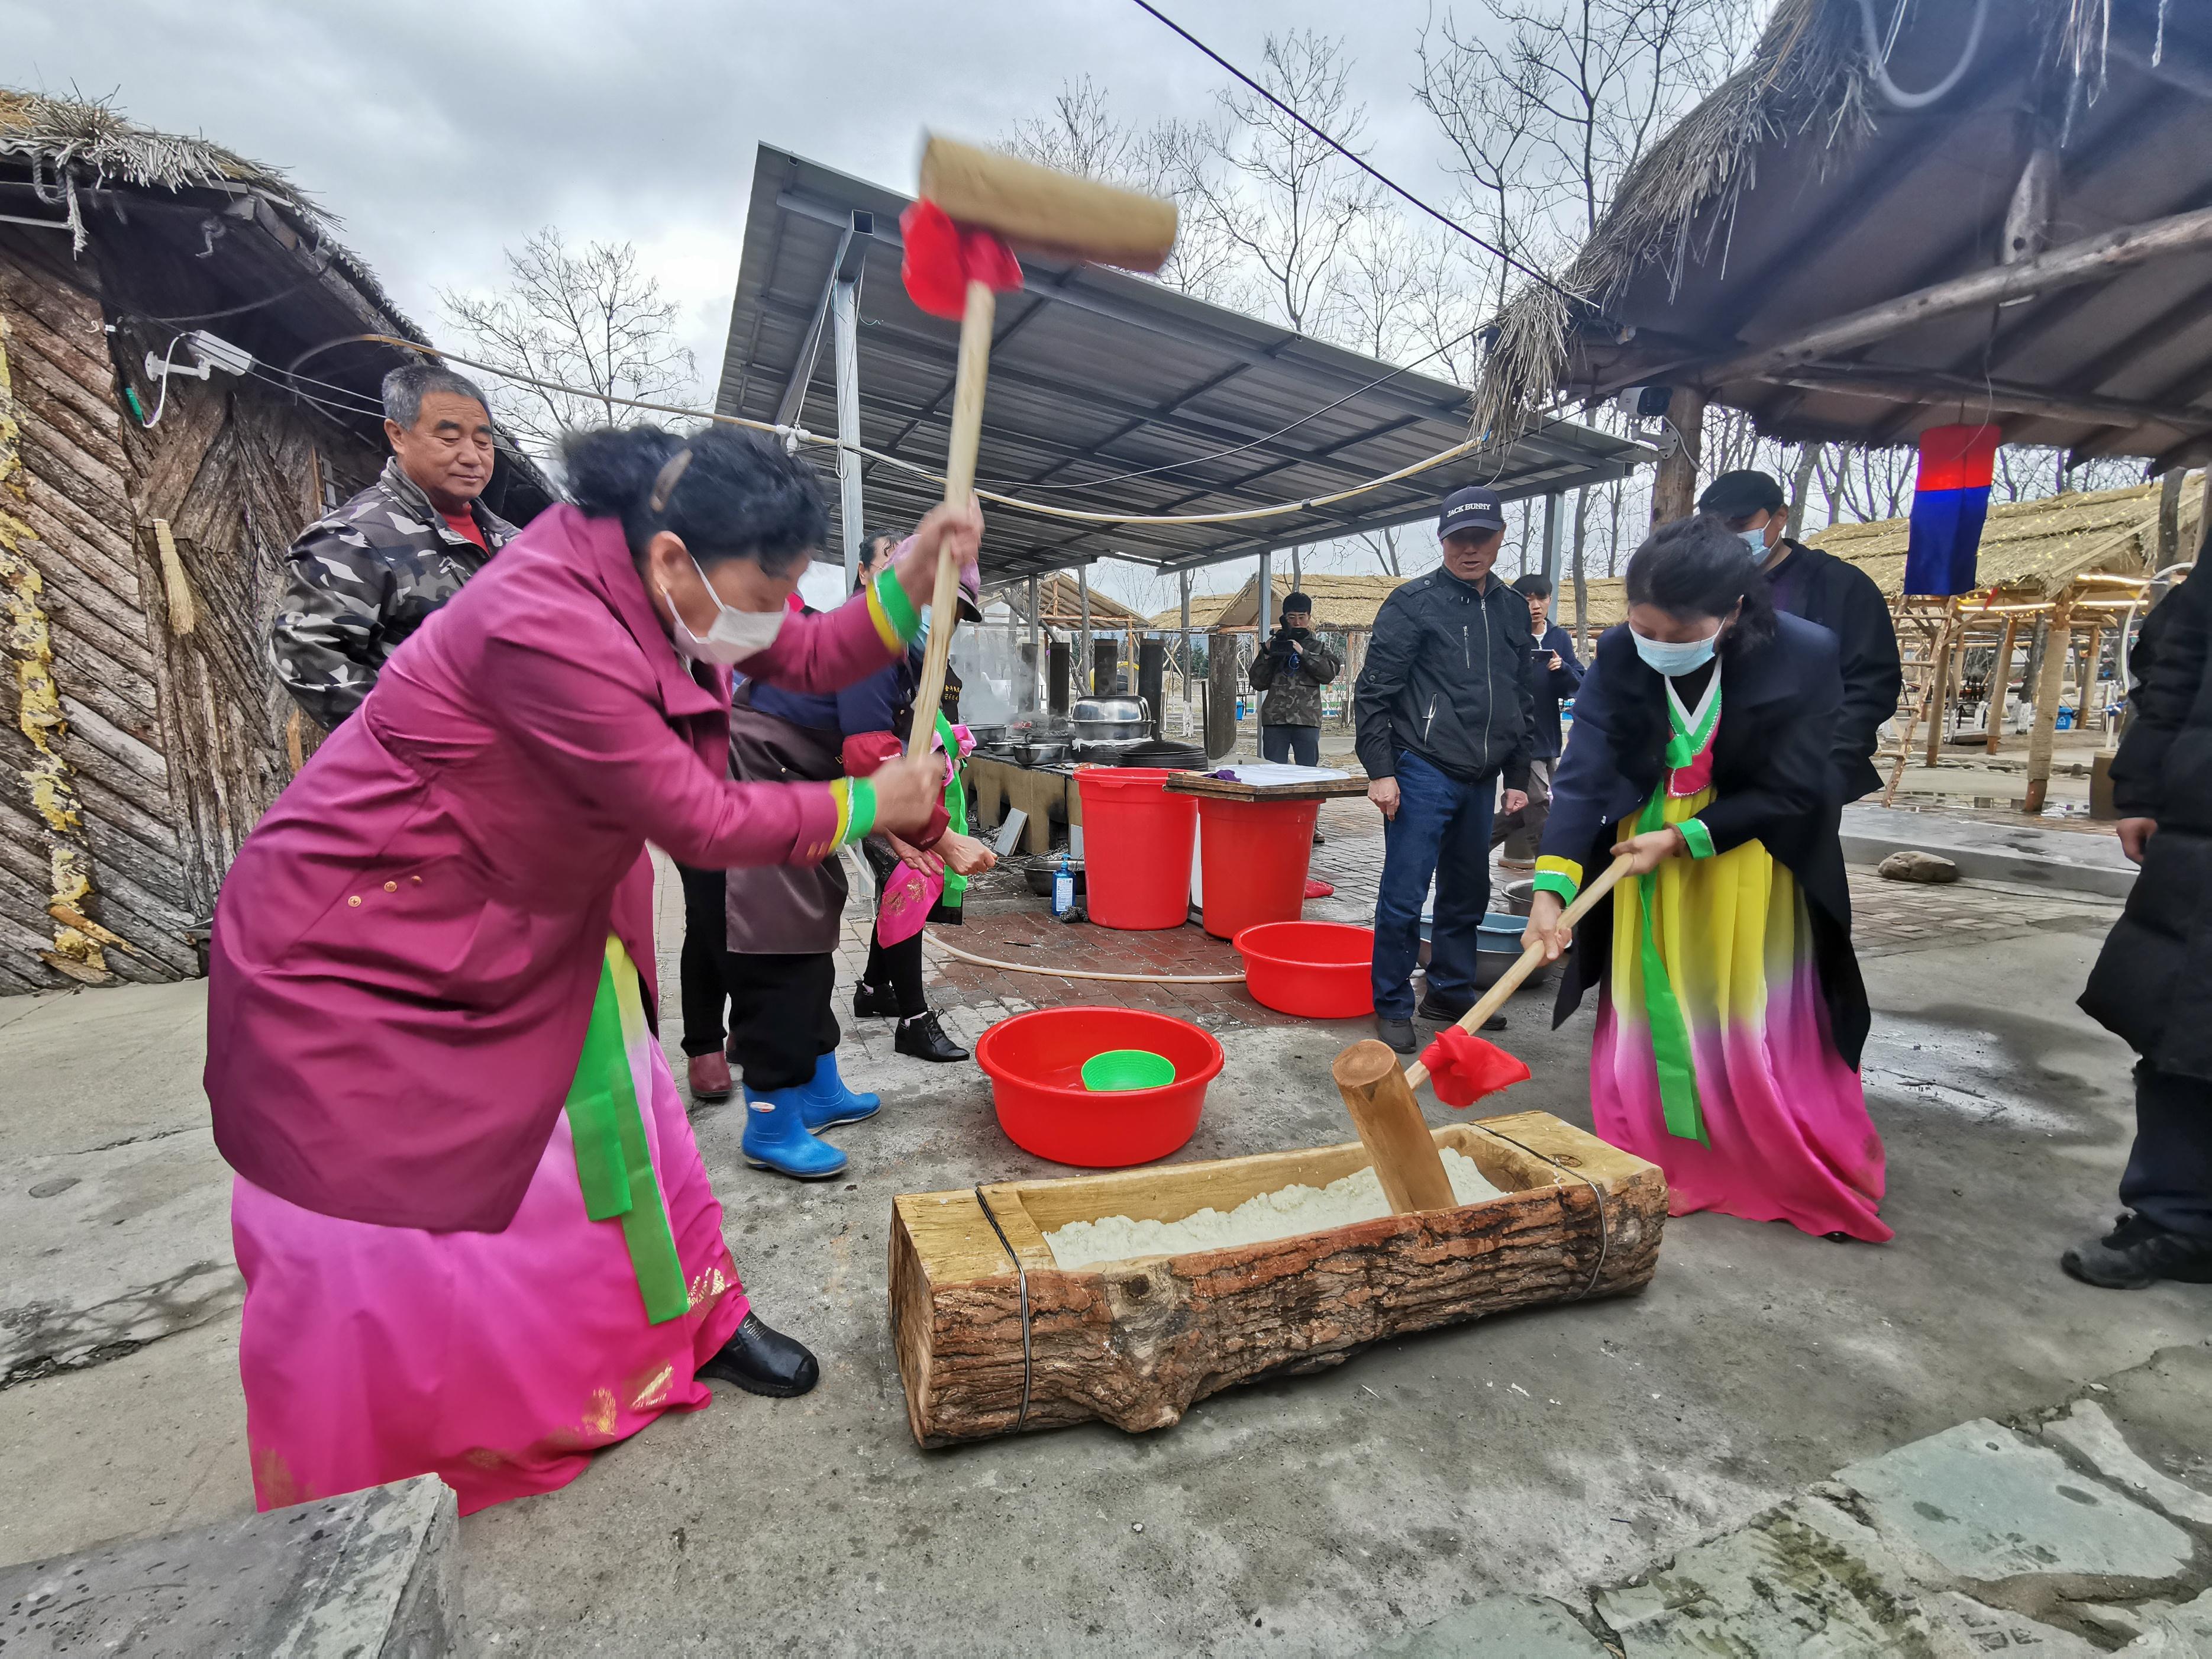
777,1137
828,1101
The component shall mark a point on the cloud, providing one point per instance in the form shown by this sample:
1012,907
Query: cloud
441,133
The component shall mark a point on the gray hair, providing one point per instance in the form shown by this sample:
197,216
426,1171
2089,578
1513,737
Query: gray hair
406,386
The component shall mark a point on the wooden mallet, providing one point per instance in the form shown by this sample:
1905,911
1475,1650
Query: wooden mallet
1380,1096
977,206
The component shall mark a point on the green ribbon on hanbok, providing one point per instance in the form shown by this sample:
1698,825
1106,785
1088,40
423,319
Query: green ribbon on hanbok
1671,1052
613,1164
956,808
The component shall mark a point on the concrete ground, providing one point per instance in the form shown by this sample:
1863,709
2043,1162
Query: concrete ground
1530,1454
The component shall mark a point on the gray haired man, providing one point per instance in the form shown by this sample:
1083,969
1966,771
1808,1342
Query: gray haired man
368,574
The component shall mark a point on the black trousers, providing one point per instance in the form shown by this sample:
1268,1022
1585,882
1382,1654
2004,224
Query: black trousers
898,966
2169,1174
1290,745
781,1021
700,967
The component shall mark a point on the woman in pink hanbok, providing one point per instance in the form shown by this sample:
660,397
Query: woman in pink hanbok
477,1236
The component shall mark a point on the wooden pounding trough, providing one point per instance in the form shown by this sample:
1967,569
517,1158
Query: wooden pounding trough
1136,1342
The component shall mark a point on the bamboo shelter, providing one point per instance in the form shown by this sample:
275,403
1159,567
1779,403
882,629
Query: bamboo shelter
151,478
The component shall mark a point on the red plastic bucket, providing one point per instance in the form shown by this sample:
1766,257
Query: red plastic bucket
1252,861
1315,970
1136,846
1035,1062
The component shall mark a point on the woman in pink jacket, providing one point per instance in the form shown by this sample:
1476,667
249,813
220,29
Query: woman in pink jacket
477,1236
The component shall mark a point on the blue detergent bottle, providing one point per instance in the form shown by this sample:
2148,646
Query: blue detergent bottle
1063,888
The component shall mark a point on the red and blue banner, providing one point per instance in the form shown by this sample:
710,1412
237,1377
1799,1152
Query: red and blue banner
1950,500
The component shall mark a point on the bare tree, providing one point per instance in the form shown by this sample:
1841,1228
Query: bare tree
591,320
1287,201
1084,136
1490,120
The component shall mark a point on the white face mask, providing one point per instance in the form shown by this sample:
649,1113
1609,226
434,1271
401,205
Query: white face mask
735,635
1669,657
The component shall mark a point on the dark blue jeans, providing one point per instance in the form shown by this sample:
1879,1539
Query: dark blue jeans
2169,1174
1442,830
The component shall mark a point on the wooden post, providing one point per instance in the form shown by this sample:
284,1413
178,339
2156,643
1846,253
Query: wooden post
1674,487
2093,669
1220,694
2169,519
1939,695
1388,1119
2001,684
1086,672
1185,636
2041,737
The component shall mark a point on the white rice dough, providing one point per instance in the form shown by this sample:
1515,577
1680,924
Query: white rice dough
1284,1213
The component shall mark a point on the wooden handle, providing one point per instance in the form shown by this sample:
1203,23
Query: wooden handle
968,382
1390,1126
1531,960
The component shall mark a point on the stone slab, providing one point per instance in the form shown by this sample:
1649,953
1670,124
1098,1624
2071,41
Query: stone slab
373,1575
2185,1632
1500,1627
2090,1432
1989,1506
2063,860
1806,1578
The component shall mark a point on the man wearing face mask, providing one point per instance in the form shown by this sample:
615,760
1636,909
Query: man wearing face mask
1446,711
1840,596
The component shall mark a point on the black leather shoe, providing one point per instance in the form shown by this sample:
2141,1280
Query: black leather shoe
1444,1014
870,1002
2137,1253
763,1361
925,1039
1398,1033
1320,840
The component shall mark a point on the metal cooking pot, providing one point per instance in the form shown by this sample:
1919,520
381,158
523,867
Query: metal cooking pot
1105,719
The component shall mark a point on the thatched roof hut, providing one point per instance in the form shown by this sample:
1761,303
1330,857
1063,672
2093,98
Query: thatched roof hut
2028,247
1342,604
1060,604
144,517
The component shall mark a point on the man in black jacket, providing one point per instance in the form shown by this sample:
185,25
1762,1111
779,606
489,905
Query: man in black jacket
1445,707
2153,980
1558,676
1840,596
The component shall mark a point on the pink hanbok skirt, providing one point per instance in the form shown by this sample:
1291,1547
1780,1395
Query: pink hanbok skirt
498,1361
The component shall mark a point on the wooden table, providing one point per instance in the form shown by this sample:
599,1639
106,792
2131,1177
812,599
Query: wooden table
1002,786
1199,783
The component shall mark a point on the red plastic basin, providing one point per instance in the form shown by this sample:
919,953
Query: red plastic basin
1035,1062
1315,970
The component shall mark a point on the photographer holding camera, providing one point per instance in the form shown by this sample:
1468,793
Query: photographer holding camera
1291,670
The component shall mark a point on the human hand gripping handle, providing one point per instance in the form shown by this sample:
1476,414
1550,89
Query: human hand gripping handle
908,788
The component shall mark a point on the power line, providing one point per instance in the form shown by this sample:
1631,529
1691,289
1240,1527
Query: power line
1359,160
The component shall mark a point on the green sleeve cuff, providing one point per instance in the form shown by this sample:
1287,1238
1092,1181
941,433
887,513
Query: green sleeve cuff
1551,881
898,610
860,815
1697,838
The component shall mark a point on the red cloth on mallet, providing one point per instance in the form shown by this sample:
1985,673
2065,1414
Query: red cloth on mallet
1463,1067
942,258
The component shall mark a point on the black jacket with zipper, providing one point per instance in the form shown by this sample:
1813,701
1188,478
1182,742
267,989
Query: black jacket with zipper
1451,676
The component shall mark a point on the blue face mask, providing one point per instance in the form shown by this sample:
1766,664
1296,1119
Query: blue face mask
1755,540
1668,659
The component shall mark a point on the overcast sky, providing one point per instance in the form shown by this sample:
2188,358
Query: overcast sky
440,133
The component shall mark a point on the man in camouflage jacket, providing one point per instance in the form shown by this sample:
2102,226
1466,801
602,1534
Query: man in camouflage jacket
368,575
1291,668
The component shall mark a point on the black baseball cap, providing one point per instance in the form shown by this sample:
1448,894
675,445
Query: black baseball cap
1473,509
1739,495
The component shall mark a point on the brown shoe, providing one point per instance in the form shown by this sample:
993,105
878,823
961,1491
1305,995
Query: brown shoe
709,1077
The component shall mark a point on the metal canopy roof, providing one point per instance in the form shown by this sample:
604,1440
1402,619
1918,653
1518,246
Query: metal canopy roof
1094,372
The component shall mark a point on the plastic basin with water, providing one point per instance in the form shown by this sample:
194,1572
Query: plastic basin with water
1315,970
1035,1062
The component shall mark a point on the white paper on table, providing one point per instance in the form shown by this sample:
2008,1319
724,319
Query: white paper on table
1274,772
